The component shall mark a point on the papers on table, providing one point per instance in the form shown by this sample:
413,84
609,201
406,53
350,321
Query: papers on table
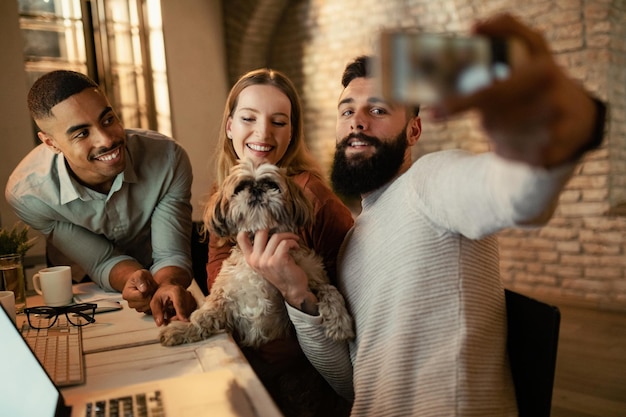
90,292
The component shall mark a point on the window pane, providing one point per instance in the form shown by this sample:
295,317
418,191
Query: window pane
47,8
52,30
136,82
159,73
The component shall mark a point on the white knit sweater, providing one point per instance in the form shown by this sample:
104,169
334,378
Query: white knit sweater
420,275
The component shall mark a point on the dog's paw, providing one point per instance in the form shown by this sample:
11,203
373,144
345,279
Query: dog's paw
340,329
201,326
337,322
174,333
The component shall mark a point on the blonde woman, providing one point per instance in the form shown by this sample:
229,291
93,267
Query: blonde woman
263,121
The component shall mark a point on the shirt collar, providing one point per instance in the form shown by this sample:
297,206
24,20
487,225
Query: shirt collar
129,174
70,189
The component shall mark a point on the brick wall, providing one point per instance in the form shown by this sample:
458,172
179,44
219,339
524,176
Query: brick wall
580,255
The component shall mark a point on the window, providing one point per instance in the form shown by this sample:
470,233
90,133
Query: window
54,36
118,43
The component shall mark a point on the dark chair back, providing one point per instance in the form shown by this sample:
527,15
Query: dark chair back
199,256
533,335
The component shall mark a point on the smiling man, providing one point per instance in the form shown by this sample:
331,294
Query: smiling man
115,201
419,269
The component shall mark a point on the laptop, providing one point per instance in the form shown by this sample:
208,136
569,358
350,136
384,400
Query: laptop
26,390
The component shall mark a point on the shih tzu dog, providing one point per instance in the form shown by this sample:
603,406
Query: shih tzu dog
242,301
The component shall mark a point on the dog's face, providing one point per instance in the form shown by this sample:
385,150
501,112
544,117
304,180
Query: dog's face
255,198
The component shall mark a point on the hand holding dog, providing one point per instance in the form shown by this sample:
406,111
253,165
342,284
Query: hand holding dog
539,115
271,258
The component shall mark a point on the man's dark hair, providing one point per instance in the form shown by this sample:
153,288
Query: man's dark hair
361,67
54,87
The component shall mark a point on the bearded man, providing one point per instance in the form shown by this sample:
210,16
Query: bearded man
419,269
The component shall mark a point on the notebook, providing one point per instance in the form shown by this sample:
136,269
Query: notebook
26,390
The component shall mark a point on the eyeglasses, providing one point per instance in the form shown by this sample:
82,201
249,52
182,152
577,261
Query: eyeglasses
44,317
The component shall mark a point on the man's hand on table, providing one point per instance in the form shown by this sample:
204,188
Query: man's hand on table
165,302
139,289
172,302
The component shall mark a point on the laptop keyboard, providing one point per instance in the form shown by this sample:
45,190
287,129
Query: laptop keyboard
139,405
59,349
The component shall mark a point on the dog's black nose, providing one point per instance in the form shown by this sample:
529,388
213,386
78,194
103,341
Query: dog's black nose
256,195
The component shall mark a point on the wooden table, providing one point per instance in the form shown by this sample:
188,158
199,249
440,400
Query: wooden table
122,348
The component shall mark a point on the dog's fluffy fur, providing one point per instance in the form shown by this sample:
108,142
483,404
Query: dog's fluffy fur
242,301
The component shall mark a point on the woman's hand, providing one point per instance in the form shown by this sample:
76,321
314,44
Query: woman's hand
271,258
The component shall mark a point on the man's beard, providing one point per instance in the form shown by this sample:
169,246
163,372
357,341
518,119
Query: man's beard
358,175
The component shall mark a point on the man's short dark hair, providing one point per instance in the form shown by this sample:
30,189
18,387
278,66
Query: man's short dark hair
54,87
361,67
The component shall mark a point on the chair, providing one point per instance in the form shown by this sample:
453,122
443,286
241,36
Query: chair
533,335
199,256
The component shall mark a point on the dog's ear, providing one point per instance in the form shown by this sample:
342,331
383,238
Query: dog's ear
215,215
301,207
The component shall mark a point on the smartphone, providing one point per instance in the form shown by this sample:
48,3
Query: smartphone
423,68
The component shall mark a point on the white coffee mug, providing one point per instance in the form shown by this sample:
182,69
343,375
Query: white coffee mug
55,284
7,301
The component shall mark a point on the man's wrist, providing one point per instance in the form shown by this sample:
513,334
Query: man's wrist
172,275
305,302
121,273
309,306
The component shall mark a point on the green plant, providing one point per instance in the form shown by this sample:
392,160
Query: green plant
16,240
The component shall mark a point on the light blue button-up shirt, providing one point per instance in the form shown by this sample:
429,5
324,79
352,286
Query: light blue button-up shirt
146,215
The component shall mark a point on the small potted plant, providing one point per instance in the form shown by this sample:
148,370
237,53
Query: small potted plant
15,241
13,246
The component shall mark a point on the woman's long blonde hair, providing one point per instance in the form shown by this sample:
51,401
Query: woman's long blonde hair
297,157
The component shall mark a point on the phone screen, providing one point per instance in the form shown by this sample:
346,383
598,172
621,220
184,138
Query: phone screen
425,68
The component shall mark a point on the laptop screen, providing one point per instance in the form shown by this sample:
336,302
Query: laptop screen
25,388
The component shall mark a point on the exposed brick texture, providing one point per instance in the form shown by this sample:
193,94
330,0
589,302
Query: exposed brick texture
580,255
